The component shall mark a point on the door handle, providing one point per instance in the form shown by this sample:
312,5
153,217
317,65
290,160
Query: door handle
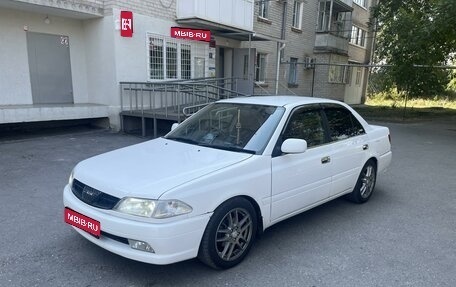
365,146
325,159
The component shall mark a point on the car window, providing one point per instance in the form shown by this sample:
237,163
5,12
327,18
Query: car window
230,126
306,125
342,124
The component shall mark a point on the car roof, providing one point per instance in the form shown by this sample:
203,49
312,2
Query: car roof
279,100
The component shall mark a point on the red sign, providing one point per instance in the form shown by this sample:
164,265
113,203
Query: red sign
191,34
126,23
83,222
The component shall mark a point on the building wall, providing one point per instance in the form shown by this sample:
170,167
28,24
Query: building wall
14,72
299,44
355,92
100,55
164,9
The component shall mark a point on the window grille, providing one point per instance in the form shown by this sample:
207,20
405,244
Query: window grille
156,58
186,62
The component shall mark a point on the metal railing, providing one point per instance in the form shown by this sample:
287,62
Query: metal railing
268,88
172,100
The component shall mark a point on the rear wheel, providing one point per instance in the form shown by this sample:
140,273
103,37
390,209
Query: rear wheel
365,184
229,235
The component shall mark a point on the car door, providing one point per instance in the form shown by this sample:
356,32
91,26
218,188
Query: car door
301,180
349,147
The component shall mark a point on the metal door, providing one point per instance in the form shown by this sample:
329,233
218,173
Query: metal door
243,69
50,68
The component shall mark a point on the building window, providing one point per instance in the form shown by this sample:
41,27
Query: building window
333,21
359,73
358,36
260,68
338,73
156,59
264,9
186,62
362,3
170,58
293,75
200,67
297,14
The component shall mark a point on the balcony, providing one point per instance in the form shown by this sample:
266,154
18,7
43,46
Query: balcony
235,16
348,3
327,42
77,9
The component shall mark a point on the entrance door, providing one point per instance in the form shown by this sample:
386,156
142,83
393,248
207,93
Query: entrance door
241,70
50,68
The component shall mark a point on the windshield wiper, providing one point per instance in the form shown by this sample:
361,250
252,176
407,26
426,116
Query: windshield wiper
228,148
184,140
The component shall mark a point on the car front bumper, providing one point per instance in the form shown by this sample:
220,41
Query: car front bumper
172,241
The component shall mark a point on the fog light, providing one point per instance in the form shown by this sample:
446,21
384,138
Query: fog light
140,245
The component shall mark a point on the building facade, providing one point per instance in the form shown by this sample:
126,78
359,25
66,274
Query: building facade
65,59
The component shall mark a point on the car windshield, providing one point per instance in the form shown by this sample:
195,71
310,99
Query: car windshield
230,126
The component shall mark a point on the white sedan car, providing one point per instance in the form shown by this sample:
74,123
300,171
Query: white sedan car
224,175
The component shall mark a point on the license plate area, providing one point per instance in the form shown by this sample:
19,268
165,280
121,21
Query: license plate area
83,222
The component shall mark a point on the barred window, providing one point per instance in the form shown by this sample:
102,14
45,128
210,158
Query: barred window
170,58
156,58
186,62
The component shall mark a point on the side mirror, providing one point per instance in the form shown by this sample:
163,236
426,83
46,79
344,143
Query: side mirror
294,146
174,126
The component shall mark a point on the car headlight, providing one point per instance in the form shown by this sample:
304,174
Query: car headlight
152,208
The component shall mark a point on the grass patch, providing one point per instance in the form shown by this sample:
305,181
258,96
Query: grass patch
394,114
389,106
438,103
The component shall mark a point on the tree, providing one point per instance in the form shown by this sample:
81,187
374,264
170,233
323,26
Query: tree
416,32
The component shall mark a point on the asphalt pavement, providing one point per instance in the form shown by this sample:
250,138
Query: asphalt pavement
404,236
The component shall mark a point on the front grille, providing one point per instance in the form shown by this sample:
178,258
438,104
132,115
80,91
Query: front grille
93,196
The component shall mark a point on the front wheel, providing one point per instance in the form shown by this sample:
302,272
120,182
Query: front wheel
229,235
366,182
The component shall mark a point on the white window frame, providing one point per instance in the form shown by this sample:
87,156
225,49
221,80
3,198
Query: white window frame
261,69
293,65
263,9
358,36
297,14
337,74
361,3
197,50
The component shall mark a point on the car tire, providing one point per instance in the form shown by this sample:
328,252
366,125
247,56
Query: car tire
366,183
229,234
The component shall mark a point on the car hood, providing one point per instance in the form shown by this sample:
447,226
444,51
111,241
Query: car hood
149,169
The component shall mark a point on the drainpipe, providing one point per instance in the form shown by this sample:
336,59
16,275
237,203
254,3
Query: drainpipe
281,46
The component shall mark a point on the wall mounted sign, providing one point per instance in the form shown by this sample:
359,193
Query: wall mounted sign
191,34
126,23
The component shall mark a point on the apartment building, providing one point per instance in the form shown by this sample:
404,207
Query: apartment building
64,59
323,40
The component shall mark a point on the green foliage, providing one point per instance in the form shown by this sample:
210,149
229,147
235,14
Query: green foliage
415,32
